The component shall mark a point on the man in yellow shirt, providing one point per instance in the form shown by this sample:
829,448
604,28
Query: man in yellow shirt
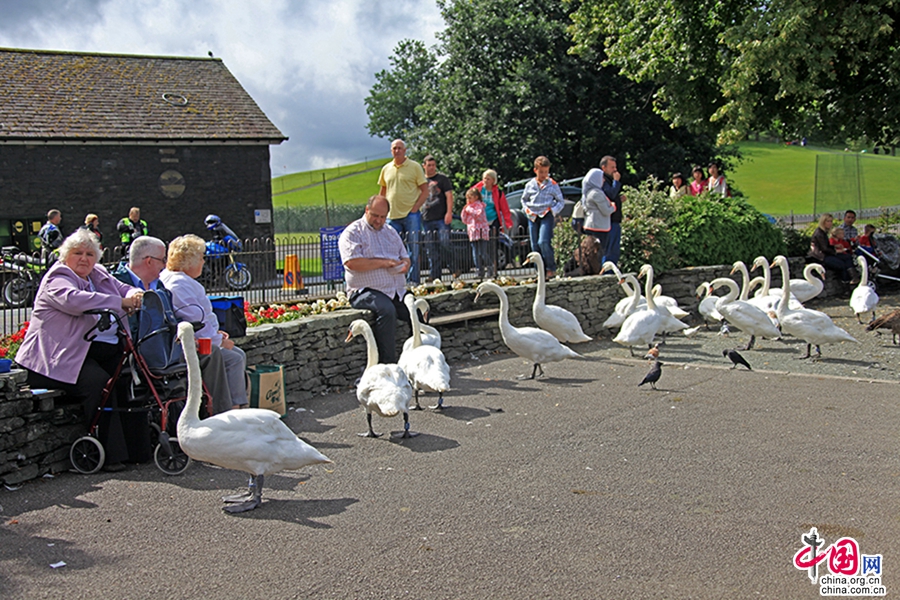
404,184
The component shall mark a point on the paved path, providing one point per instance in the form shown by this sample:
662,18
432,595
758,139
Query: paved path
578,486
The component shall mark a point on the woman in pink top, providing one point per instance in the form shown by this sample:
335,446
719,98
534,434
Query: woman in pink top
475,217
698,185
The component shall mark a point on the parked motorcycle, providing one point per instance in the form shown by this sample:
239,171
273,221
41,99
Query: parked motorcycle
220,262
26,271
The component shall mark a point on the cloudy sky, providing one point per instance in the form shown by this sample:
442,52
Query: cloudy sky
308,64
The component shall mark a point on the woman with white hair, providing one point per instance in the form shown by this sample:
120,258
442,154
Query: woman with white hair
55,352
189,300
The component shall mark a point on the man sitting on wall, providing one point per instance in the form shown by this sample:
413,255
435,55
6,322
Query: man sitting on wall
375,266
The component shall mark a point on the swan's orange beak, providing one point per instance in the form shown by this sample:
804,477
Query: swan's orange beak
621,281
527,261
349,336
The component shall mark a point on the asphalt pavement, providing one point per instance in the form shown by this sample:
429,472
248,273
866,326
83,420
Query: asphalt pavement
580,485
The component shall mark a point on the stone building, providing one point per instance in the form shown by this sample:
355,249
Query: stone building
99,133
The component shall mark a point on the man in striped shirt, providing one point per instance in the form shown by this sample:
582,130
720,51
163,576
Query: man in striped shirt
375,266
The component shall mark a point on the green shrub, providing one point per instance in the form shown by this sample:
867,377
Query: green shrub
712,230
565,241
646,236
796,243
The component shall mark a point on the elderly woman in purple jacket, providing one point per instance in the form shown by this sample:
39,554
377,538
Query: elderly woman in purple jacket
55,352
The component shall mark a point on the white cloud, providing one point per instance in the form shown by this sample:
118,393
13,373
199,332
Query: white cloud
308,64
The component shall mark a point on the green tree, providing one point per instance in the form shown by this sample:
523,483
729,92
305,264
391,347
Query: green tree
393,101
729,67
508,89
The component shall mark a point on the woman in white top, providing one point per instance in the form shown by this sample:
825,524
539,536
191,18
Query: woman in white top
716,183
189,301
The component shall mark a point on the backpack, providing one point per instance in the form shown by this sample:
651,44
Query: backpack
588,255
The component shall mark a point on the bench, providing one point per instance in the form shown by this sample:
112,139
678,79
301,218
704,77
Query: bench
463,317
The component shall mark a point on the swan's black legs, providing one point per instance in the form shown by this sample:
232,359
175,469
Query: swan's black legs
440,404
417,406
750,344
808,349
254,501
242,497
371,432
406,432
537,366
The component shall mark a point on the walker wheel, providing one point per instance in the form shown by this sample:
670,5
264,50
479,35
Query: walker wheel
171,465
87,455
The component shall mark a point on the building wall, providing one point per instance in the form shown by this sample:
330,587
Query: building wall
230,181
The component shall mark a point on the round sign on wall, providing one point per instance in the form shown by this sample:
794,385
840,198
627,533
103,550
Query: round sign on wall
171,184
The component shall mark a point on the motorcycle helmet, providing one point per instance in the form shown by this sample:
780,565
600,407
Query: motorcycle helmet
212,221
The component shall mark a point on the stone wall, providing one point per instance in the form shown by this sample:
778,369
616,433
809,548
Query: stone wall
35,431
317,360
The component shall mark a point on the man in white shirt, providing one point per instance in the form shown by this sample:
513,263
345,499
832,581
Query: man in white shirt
375,266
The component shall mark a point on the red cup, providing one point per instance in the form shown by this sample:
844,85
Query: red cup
204,345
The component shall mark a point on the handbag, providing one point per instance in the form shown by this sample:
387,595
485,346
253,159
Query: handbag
267,387
229,311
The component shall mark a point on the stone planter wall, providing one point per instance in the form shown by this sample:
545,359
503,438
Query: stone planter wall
35,432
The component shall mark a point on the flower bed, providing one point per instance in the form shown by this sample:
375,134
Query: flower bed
9,345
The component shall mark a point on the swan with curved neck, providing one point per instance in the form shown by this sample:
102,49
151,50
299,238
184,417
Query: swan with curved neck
382,389
667,302
430,335
642,325
812,326
558,321
744,315
535,345
707,305
864,299
255,441
425,366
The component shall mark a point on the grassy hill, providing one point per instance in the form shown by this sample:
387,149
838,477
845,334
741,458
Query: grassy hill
778,179
348,184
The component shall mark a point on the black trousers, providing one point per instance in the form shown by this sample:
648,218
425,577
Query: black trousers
118,432
387,311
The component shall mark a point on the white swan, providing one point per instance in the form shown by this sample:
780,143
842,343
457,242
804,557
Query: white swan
767,297
642,325
531,343
254,440
425,366
382,389
707,305
430,335
624,306
557,320
802,290
811,326
864,299
744,315
668,302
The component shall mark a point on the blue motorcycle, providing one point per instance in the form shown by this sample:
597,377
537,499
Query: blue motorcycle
220,262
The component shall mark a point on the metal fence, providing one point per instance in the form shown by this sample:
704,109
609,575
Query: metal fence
313,260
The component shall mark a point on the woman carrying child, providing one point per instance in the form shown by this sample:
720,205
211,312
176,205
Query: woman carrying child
474,215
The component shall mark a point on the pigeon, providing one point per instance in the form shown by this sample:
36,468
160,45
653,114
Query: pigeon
653,376
736,358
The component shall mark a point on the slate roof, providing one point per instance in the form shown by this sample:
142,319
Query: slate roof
86,97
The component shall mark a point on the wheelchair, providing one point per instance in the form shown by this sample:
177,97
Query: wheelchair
151,374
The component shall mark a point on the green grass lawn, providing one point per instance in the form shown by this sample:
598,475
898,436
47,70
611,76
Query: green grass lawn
353,189
778,179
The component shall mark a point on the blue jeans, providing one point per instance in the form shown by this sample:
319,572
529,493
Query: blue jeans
411,225
614,243
541,232
438,238
481,257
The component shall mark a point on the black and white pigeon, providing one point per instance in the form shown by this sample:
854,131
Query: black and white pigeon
653,376
736,359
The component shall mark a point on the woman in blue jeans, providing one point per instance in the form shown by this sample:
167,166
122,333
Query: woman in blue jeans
542,200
